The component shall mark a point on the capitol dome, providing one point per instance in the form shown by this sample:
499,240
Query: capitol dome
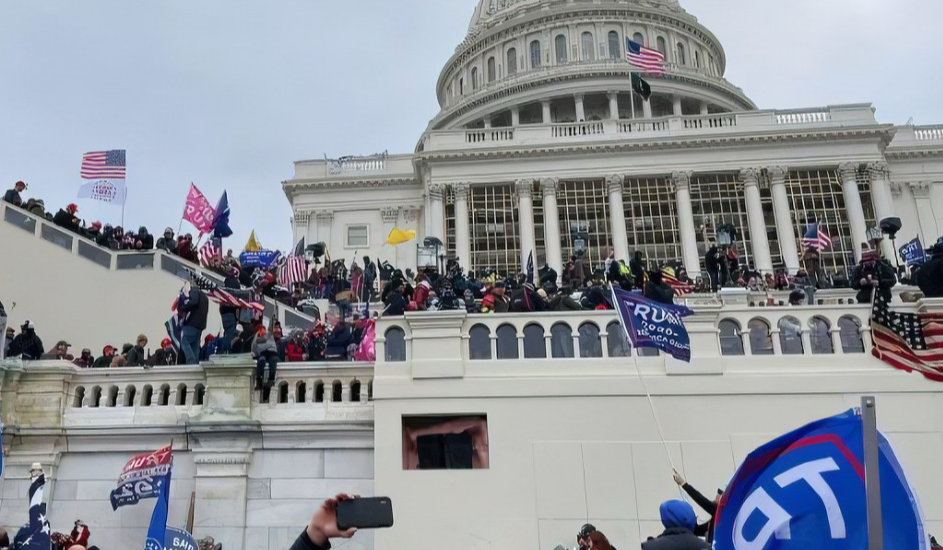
552,61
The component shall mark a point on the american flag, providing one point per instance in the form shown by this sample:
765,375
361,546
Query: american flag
294,270
104,165
221,296
816,238
680,288
39,535
908,341
209,252
647,59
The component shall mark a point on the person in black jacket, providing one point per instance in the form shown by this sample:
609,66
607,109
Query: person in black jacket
338,341
396,301
637,267
705,530
196,305
137,357
167,243
27,345
12,196
144,240
930,277
679,520
228,314
873,274
67,219
323,527
712,266
658,290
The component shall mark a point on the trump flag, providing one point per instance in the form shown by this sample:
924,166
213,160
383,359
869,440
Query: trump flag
806,490
649,324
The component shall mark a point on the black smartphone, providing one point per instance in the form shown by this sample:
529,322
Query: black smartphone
365,513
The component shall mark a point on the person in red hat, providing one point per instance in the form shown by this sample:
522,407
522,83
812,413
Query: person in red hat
12,196
104,362
67,219
166,355
93,231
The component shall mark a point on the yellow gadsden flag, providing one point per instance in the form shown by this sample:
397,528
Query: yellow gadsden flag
398,236
253,245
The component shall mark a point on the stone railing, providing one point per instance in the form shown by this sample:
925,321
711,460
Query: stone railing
718,124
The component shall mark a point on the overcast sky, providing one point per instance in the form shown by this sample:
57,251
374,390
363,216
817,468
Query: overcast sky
228,93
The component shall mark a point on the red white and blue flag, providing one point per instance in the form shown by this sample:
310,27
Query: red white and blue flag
209,252
816,238
104,172
647,59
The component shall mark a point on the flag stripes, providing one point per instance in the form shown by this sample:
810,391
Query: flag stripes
647,59
908,341
104,165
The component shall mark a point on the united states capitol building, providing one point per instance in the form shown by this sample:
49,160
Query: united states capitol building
539,147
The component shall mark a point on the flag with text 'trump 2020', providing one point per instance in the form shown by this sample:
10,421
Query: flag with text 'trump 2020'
143,477
806,490
649,324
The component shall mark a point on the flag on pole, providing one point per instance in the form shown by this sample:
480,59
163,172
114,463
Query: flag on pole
641,86
199,211
221,228
913,253
295,268
36,535
157,531
680,289
816,238
253,245
105,173
530,267
300,248
647,59
209,252
908,341
179,539
143,477
221,296
806,490
398,237
649,324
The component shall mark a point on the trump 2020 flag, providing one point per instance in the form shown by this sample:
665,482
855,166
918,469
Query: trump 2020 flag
199,211
913,253
178,539
649,324
806,490
144,476
157,531
104,173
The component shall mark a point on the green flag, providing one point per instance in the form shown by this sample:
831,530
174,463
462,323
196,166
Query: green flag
641,87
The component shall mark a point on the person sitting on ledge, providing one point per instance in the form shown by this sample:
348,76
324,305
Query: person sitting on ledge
104,362
66,219
27,345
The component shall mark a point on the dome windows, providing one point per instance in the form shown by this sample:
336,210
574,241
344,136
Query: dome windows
662,46
589,48
615,50
682,58
474,78
559,46
512,61
638,38
492,70
535,54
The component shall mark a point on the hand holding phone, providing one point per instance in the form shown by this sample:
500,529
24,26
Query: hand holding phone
365,513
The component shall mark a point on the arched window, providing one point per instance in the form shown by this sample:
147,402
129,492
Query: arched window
590,345
147,394
697,59
617,342
662,46
79,397
790,336
199,394
337,392
479,343
395,345
820,336
282,392
589,48
851,341
561,341
512,61
181,395
730,341
129,393
492,70
461,86
682,59
319,392
638,38
761,343
301,391
535,345
474,77
535,54
355,391
615,50
559,46
507,342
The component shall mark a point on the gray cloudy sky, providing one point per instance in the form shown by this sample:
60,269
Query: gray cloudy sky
227,93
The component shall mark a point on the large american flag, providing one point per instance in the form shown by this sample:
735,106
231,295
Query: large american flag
221,296
209,252
680,289
816,238
647,59
104,165
908,341
294,270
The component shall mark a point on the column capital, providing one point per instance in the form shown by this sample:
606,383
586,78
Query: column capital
611,94
411,212
682,180
750,177
325,215
389,215
545,102
920,189
896,189
777,174
614,182
302,217
848,171
524,188
578,96
460,190
436,190
878,169
549,185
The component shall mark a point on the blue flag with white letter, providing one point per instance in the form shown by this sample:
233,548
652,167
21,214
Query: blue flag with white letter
649,324
806,490
913,253
178,539
156,532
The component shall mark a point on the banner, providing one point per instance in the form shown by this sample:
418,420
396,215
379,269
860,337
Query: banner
806,490
264,259
199,211
157,531
143,477
649,324
105,190
913,253
178,539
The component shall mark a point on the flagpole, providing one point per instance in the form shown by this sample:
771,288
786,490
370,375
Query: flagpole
632,91
872,459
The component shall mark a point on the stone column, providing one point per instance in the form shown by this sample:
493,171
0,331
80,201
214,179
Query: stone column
921,191
676,105
547,117
883,203
300,226
614,105
704,109
859,227
524,188
437,210
552,225
325,221
785,230
762,260
487,122
580,111
689,252
620,240
515,116
462,231
646,108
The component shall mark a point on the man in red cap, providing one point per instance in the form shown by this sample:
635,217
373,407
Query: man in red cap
66,219
12,196
104,362
94,231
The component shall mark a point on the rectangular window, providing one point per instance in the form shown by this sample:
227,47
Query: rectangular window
445,442
358,236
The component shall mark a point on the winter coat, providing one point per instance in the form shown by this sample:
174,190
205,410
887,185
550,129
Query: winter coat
231,283
197,306
303,542
294,352
661,293
495,303
80,535
147,240
705,529
167,243
28,345
137,357
13,196
338,341
396,305
264,345
66,221
879,271
103,362
930,278
676,538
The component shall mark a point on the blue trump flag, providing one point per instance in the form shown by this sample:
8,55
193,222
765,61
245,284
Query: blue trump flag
265,259
806,490
221,227
178,539
649,324
913,253
157,531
